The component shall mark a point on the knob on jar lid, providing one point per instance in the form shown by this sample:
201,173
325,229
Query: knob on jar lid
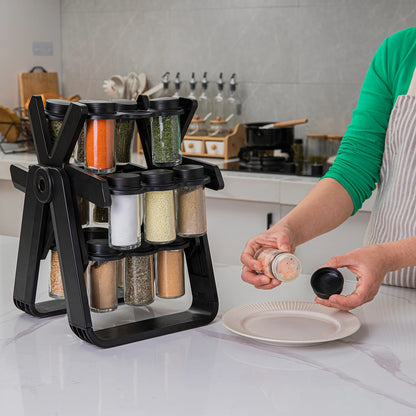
158,180
190,174
166,106
327,281
124,183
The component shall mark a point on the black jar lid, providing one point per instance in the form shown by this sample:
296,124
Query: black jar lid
99,250
100,109
166,106
127,109
91,233
55,109
327,281
158,180
178,244
145,249
190,175
124,183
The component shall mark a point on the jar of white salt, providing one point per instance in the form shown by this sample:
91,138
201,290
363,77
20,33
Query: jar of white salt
124,213
159,206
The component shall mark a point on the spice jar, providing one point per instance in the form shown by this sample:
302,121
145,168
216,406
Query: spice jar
218,128
316,151
125,214
190,200
159,206
100,136
166,132
100,215
139,276
197,127
55,110
56,287
279,265
297,148
102,275
170,274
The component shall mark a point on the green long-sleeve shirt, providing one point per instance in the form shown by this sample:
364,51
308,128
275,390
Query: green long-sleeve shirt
358,162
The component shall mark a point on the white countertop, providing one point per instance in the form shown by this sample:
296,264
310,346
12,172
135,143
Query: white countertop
46,370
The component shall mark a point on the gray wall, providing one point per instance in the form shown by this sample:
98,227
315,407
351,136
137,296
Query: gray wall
293,58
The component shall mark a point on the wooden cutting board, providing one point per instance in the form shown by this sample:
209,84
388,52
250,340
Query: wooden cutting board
33,83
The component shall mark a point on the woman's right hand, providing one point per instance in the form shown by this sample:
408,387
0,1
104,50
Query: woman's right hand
278,236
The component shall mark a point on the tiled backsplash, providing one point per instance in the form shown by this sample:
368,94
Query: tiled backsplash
293,58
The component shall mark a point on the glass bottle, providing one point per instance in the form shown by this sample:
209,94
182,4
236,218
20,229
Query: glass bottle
316,151
100,136
159,206
170,273
297,148
102,275
139,276
165,81
177,85
218,104
166,133
279,265
204,102
125,212
192,85
233,103
190,200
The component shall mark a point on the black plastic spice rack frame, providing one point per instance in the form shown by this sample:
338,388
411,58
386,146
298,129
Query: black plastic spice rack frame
50,217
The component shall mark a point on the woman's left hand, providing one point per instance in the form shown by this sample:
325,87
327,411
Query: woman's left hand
368,263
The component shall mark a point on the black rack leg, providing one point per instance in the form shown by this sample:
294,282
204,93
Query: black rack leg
31,242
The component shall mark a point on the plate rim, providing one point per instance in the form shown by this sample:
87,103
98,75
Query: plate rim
294,306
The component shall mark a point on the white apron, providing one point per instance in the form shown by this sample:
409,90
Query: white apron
394,213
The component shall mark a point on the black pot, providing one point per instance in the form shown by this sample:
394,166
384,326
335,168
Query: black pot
273,138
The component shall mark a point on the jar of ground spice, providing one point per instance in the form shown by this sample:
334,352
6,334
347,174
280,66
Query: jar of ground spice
139,276
100,136
125,127
170,273
279,265
159,206
102,275
190,200
56,287
166,132
125,212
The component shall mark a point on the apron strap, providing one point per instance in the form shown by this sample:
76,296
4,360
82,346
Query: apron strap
412,86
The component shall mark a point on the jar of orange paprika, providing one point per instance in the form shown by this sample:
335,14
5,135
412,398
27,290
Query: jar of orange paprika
100,136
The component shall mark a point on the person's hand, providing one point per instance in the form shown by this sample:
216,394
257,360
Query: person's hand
278,237
368,264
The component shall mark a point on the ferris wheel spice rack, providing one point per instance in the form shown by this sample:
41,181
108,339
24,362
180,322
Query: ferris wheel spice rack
50,219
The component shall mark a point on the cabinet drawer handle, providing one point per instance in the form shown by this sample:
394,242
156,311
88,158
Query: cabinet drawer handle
191,145
213,146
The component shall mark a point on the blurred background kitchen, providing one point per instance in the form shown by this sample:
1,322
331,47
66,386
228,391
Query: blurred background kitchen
293,59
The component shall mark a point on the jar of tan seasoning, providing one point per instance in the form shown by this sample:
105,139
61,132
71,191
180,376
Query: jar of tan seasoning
159,206
102,275
170,273
190,200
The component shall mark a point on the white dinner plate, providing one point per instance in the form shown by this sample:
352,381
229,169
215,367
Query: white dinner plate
290,323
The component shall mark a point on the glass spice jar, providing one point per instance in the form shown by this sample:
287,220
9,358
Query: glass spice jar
139,276
316,148
218,128
102,275
166,132
100,136
279,265
56,287
197,127
190,200
125,212
159,206
55,110
170,273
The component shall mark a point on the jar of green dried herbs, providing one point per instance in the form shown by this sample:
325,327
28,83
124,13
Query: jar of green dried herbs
139,276
166,132
55,111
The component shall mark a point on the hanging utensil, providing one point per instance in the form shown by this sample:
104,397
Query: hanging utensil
284,123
